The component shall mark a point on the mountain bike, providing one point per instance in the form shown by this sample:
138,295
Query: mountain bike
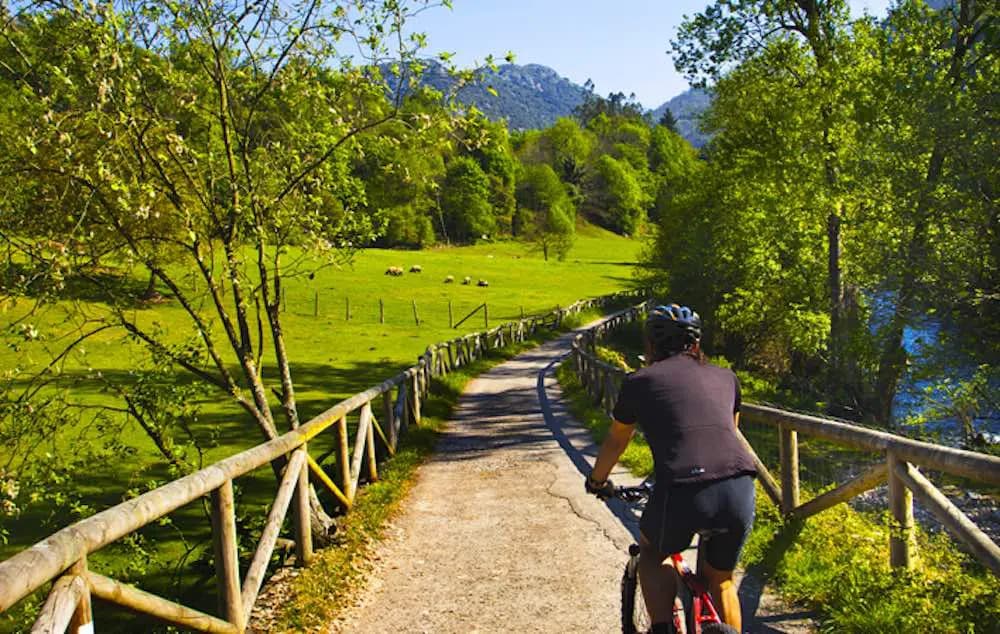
694,607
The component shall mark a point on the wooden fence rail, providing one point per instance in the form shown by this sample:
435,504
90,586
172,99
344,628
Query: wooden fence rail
900,458
62,557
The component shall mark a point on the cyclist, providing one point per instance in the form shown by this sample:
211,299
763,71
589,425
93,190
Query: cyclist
688,410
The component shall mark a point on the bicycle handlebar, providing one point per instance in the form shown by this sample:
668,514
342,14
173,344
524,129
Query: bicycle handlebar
634,494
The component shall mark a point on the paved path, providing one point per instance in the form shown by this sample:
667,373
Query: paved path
498,535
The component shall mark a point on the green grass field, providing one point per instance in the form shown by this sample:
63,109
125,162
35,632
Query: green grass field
332,357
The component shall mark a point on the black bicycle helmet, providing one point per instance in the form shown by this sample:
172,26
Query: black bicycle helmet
673,328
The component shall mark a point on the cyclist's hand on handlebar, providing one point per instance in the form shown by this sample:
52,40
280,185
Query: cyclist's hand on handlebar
603,490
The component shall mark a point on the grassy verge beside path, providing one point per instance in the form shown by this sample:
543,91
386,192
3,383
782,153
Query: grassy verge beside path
836,563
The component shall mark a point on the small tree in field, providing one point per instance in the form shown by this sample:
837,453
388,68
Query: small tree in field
542,198
465,200
203,141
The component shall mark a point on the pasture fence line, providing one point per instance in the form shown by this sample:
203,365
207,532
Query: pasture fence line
62,557
873,458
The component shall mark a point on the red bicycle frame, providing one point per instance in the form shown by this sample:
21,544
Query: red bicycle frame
701,601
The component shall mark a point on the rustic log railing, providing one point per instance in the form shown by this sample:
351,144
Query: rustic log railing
899,460
62,557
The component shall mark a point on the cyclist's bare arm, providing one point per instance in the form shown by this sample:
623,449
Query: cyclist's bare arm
736,419
614,444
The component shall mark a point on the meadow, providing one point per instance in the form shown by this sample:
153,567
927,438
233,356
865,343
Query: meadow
341,341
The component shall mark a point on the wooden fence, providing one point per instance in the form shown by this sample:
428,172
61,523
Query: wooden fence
385,411
898,459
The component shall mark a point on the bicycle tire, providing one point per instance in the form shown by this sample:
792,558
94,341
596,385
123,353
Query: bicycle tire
635,617
718,628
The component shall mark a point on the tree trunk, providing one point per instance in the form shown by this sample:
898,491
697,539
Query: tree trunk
150,292
892,361
836,378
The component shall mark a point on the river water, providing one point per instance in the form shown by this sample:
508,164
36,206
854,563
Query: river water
928,368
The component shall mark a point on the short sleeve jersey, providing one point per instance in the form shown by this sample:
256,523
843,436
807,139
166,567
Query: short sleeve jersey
685,409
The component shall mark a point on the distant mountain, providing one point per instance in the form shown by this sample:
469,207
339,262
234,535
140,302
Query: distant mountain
533,96
529,96
687,108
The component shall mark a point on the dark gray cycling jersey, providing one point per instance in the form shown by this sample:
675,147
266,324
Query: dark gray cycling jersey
685,409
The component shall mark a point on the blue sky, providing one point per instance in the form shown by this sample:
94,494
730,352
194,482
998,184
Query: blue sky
621,46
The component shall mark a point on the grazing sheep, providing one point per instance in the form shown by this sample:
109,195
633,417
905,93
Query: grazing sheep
467,280
482,283
449,280
416,269
394,271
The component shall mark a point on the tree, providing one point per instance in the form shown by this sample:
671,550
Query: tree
729,33
668,121
465,201
542,197
218,130
923,125
672,161
488,143
616,196
617,104
401,170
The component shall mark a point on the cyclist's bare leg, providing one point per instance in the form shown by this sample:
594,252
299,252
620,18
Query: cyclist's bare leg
723,590
658,580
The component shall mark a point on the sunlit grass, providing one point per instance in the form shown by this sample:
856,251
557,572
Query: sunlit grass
332,358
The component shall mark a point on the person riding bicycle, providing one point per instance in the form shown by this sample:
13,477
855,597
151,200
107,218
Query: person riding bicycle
688,410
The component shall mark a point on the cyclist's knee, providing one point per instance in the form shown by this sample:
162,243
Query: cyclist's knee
716,577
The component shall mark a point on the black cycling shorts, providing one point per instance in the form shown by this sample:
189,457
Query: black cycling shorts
675,513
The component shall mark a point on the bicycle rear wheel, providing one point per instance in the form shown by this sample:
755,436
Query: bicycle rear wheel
635,617
717,628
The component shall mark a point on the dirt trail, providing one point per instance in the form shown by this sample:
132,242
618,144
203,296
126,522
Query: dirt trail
498,535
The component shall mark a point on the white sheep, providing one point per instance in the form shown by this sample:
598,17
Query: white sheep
416,269
482,283
467,280
450,279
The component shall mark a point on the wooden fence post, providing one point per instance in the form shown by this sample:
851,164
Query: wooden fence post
344,459
347,309
789,452
227,566
404,400
451,319
390,424
416,318
486,315
381,311
83,617
301,516
901,509
367,419
415,399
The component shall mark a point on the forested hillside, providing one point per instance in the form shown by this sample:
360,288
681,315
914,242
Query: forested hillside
533,97
528,97
687,109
